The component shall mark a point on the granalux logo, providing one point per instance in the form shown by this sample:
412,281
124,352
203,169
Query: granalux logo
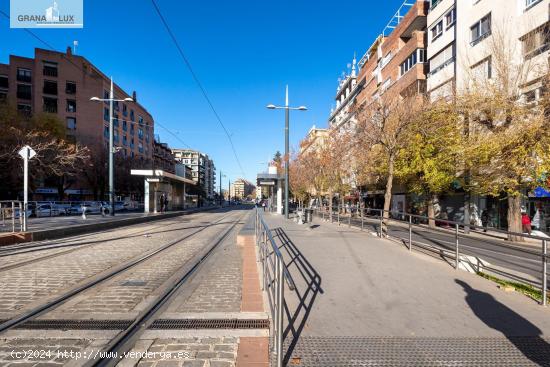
46,14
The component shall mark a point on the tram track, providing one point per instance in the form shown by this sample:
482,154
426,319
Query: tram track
56,301
75,246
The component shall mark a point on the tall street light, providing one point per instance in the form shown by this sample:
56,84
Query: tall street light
112,150
287,109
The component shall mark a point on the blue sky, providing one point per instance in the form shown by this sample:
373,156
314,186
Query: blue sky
243,51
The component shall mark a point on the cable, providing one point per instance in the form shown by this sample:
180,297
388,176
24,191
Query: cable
199,84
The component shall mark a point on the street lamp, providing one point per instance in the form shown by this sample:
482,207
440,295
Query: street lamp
287,109
112,150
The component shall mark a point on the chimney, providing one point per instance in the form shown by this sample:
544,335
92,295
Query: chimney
69,51
134,96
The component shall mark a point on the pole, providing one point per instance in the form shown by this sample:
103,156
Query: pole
229,192
221,202
287,158
410,232
111,153
25,189
457,255
544,273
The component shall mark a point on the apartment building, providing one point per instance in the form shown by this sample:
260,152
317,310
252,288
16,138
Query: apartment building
464,35
314,139
241,188
163,158
62,84
396,61
442,33
343,116
203,171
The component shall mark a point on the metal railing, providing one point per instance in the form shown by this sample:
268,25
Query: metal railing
10,216
441,225
274,276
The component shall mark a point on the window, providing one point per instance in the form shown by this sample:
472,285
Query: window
124,110
536,42
418,56
115,120
140,133
115,135
106,114
437,30
131,129
442,59
530,3
140,147
481,30
71,123
70,88
106,132
71,105
23,75
106,95
24,109
482,70
115,105
124,125
132,143
24,91
4,81
450,17
50,105
125,140
140,120
50,87
132,117
49,68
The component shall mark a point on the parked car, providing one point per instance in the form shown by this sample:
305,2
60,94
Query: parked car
46,210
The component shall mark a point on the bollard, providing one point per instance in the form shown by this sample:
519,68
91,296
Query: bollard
410,232
83,212
12,216
381,222
457,255
544,273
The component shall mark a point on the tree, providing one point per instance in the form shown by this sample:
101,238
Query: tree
382,129
508,143
429,162
56,157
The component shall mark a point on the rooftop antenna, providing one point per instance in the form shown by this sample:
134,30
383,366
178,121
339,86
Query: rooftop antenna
75,43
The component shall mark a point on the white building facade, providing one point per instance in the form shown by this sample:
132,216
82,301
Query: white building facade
203,171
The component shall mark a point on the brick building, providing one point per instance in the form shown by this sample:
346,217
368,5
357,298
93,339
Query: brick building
163,158
62,84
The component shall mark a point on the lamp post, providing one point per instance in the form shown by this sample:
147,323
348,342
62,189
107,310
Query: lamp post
112,151
287,109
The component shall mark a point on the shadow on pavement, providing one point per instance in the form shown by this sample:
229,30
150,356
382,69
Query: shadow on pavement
307,288
525,336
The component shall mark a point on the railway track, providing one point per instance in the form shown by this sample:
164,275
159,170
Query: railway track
19,320
43,246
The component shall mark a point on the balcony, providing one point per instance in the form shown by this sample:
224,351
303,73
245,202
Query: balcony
49,71
50,88
50,105
25,78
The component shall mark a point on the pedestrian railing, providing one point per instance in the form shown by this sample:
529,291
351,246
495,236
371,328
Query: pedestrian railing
274,276
11,217
361,217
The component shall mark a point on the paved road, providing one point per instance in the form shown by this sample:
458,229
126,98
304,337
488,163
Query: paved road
522,263
364,301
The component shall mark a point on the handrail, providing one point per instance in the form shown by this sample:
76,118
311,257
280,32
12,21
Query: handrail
274,275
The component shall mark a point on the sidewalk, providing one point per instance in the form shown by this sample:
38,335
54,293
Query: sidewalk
361,299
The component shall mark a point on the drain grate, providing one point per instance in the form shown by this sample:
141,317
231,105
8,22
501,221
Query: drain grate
166,324
159,324
76,324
